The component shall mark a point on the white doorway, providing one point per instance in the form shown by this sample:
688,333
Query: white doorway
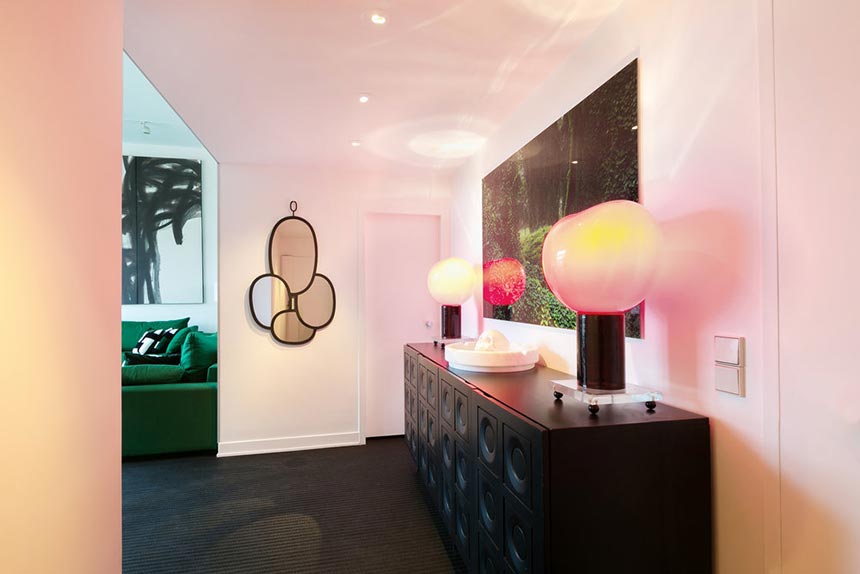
399,250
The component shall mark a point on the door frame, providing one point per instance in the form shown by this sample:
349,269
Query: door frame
437,207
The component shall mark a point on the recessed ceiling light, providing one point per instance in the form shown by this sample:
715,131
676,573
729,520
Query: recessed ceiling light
634,128
363,98
574,162
377,18
355,143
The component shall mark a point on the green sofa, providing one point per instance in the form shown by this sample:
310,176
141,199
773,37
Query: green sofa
168,416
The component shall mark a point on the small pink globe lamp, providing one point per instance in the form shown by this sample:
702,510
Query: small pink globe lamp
504,284
451,282
601,262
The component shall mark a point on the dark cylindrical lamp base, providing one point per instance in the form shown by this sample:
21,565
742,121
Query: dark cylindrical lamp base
450,321
600,346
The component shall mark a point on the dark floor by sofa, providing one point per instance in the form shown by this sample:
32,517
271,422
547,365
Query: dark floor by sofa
355,509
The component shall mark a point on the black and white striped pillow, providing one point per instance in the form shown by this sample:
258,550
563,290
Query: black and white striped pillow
154,342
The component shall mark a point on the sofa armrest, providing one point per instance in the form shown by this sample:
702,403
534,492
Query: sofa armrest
212,374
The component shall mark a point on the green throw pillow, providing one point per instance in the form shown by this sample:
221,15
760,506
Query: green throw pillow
175,345
151,374
199,351
132,331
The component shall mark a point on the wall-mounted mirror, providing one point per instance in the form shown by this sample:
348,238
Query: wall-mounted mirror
292,301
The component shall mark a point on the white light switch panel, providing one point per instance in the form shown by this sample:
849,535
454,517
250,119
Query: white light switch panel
729,350
729,380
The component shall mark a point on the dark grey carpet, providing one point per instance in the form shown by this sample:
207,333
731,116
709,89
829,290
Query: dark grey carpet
355,509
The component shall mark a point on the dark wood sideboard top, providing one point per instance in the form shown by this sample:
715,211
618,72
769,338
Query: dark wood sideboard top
530,394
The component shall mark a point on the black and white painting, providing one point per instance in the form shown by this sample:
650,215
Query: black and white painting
162,231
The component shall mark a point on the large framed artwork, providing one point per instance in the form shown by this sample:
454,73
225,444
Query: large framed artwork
162,231
587,156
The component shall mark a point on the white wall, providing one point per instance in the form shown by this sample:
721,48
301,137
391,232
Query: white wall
701,176
275,397
205,315
60,108
817,127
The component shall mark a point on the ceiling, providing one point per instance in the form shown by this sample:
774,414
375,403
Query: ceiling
278,82
145,110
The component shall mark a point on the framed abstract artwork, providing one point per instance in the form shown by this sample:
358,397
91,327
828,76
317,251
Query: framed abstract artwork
587,156
162,231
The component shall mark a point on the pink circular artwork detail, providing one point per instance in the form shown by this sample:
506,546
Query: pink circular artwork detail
504,281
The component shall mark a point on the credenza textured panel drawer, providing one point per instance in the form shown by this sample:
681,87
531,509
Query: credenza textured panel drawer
518,537
431,383
489,441
422,420
462,414
490,510
463,526
409,436
463,469
489,559
446,503
432,431
446,401
422,460
433,479
446,452
407,399
517,463
422,382
432,390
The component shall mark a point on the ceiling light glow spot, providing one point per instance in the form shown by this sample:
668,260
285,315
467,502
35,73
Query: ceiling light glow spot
363,98
355,143
447,144
378,18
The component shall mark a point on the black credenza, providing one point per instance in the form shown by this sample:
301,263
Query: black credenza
524,483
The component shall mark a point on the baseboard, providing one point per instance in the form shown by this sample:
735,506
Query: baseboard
287,443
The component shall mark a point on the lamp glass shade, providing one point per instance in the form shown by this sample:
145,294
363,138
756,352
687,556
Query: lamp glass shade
451,281
504,281
602,260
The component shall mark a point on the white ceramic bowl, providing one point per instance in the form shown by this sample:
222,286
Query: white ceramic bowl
464,357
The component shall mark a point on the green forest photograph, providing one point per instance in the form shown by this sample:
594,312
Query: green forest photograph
588,156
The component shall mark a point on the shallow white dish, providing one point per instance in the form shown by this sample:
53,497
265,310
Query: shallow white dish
464,357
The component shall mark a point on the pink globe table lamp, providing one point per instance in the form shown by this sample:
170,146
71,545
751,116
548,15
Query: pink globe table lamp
601,262
450,283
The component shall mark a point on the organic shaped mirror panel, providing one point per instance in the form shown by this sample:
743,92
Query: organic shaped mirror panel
292,301
287,328
315,305
269,296
293,253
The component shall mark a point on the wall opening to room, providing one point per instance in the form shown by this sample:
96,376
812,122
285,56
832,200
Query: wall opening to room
169,278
